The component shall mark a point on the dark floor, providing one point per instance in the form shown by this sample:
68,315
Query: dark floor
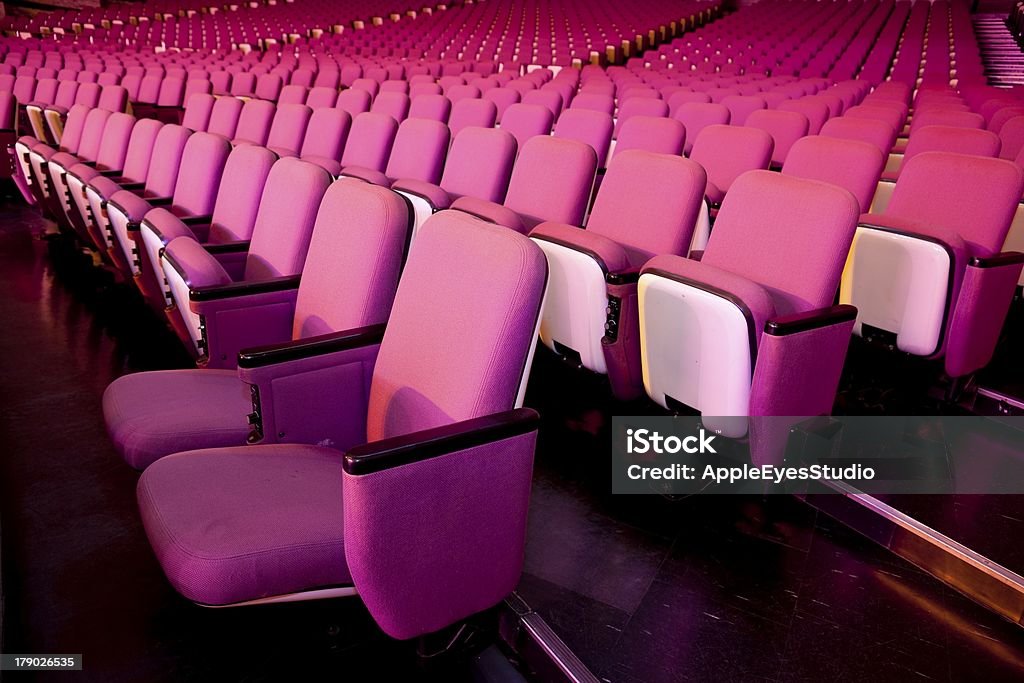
641,588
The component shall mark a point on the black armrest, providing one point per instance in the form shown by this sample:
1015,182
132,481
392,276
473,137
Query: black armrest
236,289
1007,258
227,247
195,220
810,320
132,185
159,201
111,173
430,443
623,277
86,162
261,356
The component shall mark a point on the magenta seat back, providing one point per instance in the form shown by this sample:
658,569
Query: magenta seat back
113,98
816,111
472,112
771,220
526,121
661,192
696,116
172,92
254,122
355,102
369,141
24,89
480,164
318,98
742,106
140,149
92,134
394,104
651,134
292,94
850,164
546,98
1012,137
224,116
639,106
681,97
289,127
726,152
46,91
419,151
284,223
360,234
433,107
326,134
594,102
114,145
166,160
589,126
785,127
973,141
495,325
268,87
238,198
551,181
503,98
198,109
972,196
202,163
870,130
946,117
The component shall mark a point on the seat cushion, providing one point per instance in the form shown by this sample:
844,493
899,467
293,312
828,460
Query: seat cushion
610,254
755,298
489,211
438,198
153,414
230,525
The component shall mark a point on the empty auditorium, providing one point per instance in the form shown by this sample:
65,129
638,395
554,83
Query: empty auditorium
512,341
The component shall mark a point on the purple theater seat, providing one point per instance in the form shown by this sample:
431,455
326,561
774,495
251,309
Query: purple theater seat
254,123
727,152
58,164
638,106
201,163
292,94
472,113
198,109
525,121
161,176
650,134
696,116
594,102
551,181
224,117
278,246
321,97
1011,135
289,129
102,186
369,142
850,164
355,102
742,106
325,138
785,127
895,115
433,107
359,239
289,528
394,104
876,132
648,205
231,219
417,154
816,111
589,126
503,98
479,164
928,270
750,329
546,98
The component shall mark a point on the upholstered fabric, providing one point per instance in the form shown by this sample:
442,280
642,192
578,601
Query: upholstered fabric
361,232
284,224
198,267
589,126
481,374
785,127
726,152
132,205
479,164
769,220
153,414
551,181
651,134
872,131
370,141
526,121
849,164
696,116
419,151
256,522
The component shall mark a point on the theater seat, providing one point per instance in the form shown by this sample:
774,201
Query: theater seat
479,165
850,164
426,536
750,329
928,275
551,181
231,219
280,239
348,282
647,205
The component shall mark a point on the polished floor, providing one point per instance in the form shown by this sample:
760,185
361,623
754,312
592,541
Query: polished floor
641,588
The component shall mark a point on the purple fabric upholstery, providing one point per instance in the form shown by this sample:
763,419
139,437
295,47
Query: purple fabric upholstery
284,224
651,134
224,117
639,106
974,142
370,141
355,102
289,129
589,126
855,166
152,414
726,152
326,134
472,113
552,180
696,116
495,326
479,164
435,107
785,127
872,131
526,121
742,106
254,122
238,199
419,151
